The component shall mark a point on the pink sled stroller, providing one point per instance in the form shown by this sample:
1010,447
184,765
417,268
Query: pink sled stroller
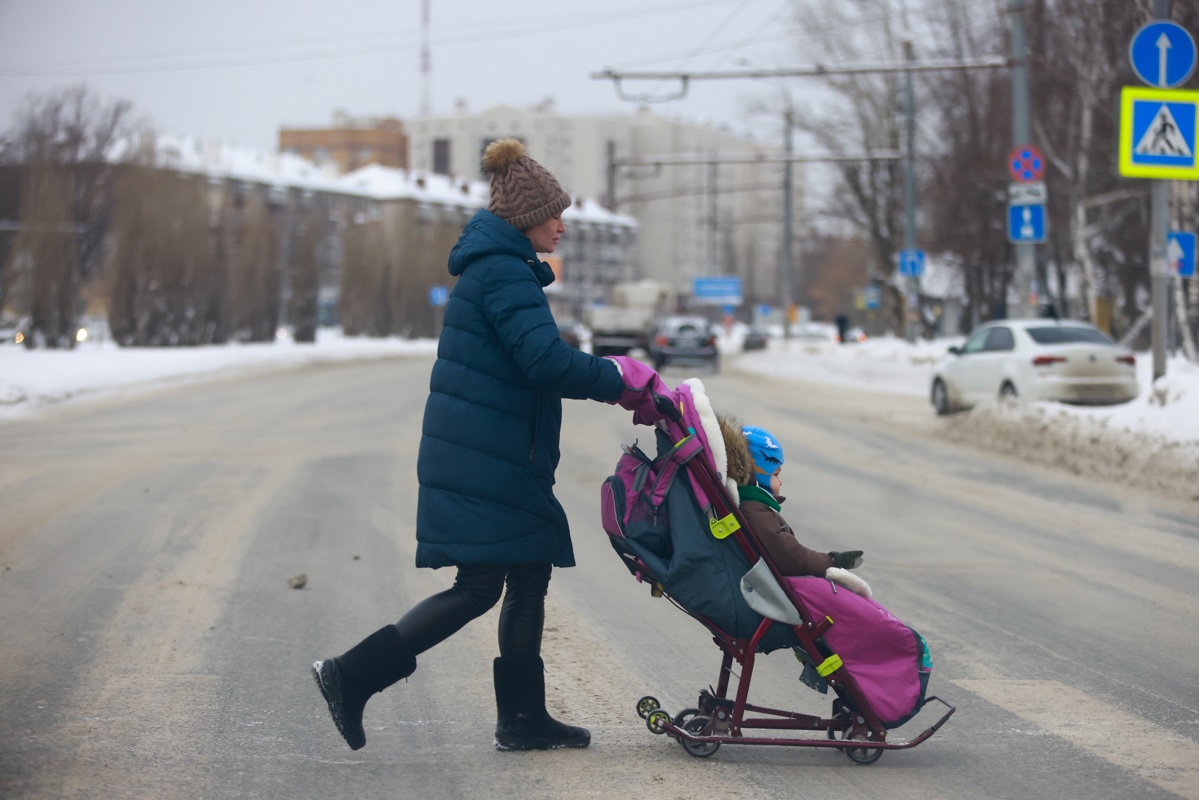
676,526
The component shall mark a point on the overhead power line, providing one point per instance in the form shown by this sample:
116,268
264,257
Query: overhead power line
815,71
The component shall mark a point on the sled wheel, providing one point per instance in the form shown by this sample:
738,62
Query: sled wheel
647,705
682,716
696,726
862,755
657,721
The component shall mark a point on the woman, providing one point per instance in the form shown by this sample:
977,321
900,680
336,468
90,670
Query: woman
488,452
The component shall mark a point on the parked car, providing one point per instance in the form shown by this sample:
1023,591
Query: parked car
756,338
854,334
1034,359
684,340
815,332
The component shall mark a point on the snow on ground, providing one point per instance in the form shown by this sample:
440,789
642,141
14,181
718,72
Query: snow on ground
1151,442
33,380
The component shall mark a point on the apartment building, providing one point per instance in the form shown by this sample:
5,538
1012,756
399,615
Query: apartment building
350,143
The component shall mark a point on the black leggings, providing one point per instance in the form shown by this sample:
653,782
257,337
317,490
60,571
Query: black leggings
476,589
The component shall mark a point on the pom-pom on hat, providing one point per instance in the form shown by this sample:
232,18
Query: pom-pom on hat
766,451
523,192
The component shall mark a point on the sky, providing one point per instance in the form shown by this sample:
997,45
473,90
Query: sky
237,71
36,381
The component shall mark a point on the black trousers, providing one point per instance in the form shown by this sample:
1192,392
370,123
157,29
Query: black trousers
476,589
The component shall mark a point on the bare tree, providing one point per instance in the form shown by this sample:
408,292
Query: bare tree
866,118
74,132
256,277
305,276
967,125
44,263
365,304
165,287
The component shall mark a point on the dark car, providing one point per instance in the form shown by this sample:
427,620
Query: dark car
756,338
684,340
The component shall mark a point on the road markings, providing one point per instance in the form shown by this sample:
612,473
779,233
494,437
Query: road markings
1157,754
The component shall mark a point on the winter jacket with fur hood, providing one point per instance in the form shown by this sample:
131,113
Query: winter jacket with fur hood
761,510
489,442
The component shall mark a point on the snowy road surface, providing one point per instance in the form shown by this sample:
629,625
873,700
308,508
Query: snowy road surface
154,649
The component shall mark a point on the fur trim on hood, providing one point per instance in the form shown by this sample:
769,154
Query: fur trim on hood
740,468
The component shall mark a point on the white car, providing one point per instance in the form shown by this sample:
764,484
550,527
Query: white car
1034,359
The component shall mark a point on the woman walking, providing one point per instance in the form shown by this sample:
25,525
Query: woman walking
488,453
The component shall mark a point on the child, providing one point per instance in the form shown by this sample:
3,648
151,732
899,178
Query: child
755,464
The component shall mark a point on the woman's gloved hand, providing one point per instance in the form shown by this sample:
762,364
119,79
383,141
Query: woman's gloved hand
644,392
847,559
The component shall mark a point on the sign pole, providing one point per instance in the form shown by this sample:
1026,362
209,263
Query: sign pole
1158,273
909,194
787,263
1025,252
1158,233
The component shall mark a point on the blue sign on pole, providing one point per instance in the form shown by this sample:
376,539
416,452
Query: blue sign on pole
1163,134
438,296
717,291
1026,224
1180,253
911,263
872,296
1162,54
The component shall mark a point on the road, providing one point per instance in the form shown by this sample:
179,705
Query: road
153,648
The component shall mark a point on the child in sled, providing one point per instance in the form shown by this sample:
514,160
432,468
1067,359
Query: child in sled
755,464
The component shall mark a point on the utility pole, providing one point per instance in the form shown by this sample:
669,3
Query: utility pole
1026,255
1159,226
909,190
787,264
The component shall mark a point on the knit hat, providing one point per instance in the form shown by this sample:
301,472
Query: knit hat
767,453
523,193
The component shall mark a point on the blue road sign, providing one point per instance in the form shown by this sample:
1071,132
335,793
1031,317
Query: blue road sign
1163,133
1162,54
911,263
438,296
717,291
1180,253
1026,224
872,296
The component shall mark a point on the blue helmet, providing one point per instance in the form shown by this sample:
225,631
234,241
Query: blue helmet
766,452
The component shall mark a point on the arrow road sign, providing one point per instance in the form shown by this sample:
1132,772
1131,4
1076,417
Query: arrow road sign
1158,129
1180,253
1162,54
1026,224
911,263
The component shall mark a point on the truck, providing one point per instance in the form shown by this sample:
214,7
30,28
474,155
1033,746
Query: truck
627,320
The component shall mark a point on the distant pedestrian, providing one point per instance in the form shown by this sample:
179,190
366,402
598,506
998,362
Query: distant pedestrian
488,453
842,329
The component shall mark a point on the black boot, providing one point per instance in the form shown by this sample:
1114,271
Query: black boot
349,680
523,723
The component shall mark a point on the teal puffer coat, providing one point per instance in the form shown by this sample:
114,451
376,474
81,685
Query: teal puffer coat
489,444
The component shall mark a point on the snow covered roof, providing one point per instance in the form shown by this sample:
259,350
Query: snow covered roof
389,183
224,160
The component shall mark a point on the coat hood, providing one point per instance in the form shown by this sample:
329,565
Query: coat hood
488,235
740,463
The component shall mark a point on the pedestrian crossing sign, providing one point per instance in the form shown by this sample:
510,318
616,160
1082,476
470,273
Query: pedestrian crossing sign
1158,131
